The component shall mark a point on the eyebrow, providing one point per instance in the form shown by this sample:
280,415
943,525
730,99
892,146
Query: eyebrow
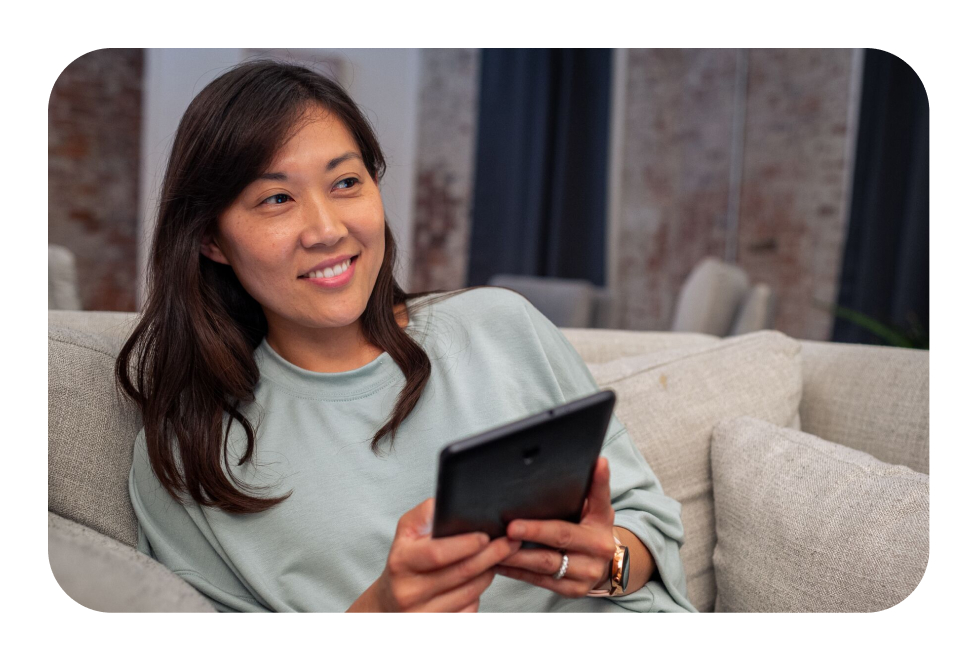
332,165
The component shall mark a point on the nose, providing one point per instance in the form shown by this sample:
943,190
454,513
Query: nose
322,224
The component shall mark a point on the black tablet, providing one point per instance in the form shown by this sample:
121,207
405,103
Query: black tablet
539,467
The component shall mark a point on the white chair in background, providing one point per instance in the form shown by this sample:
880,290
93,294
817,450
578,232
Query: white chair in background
716,298
62,279
710,298
568,303
756,311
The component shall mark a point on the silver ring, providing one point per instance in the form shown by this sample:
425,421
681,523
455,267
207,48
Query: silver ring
563,568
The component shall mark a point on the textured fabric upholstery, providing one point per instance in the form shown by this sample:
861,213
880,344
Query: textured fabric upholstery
602,345
710,297
62,279
670,401
112,327
106,575
672,388
806,525
90,435
565,302
874,399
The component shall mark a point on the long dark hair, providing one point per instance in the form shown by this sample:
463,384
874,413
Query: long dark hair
189,362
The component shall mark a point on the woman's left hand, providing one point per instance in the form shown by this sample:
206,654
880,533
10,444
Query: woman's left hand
589,545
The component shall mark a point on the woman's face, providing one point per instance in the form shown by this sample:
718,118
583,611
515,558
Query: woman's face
315,204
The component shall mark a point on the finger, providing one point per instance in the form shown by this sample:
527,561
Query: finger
565,587
562,535
459,597
416,522
579,567
471,608
425,555
461,572
599,508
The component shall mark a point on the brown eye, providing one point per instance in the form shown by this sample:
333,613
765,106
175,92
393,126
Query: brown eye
277,199
352,181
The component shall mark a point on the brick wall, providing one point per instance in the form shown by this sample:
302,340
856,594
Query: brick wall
792,213
93,164
675,176
675,187
446,164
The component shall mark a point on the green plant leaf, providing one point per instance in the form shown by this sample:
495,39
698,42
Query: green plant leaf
888,334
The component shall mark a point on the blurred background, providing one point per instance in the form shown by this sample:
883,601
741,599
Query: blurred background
707,190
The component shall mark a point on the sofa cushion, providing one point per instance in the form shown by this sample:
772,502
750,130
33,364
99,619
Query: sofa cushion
90,435
873,399
806,525
114,327
105,575
670,402
601,345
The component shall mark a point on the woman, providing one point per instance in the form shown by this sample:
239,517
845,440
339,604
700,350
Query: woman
294,403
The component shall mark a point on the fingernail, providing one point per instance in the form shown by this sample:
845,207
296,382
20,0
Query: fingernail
483,539
517,529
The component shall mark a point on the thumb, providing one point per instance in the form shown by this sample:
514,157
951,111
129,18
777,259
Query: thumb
599,497
416,522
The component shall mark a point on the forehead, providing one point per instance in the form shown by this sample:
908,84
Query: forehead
317,133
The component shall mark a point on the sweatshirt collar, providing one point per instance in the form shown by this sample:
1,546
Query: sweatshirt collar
376,375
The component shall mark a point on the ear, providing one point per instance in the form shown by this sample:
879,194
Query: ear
210,249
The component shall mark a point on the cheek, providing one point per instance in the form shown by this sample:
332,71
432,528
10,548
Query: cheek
260,257
377,223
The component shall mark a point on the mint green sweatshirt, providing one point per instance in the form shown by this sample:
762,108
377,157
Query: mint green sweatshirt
494,359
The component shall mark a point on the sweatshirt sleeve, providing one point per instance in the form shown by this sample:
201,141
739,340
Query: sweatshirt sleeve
177,535
640,504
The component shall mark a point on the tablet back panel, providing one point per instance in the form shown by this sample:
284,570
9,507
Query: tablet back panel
539,467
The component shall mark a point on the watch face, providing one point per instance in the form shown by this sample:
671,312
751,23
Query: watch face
624,570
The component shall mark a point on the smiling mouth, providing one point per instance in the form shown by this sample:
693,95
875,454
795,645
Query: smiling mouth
333,272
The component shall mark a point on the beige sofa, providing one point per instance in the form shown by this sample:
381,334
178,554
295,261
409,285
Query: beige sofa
801,467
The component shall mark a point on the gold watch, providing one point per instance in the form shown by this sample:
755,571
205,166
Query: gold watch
619,573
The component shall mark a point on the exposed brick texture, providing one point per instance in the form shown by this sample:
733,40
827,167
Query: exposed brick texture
676,166
93,164
676,176
792,214
446,162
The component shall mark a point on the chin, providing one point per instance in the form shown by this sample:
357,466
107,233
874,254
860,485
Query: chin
337,320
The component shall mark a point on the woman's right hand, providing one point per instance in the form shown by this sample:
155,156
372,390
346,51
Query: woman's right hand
423,574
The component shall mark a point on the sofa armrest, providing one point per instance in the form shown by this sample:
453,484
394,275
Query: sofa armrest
105,575
874,399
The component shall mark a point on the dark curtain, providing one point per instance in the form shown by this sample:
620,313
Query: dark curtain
885,273
541,164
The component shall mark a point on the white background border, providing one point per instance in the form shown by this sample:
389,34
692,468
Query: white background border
933,38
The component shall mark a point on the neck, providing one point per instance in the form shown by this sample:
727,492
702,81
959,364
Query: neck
327,350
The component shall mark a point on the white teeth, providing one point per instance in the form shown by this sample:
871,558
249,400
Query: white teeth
330,272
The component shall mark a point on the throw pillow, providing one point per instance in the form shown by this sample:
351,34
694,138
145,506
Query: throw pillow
670,401
807,525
